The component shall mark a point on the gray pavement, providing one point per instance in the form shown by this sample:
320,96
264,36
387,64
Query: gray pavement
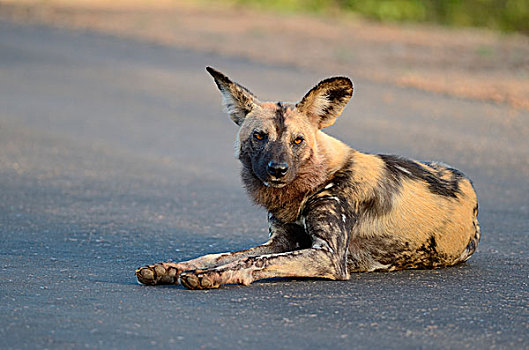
115,153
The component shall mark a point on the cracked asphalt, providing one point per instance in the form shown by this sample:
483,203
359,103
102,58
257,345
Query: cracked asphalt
115,153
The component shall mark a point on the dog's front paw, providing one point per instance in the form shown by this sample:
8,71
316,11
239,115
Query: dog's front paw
200,279
162,273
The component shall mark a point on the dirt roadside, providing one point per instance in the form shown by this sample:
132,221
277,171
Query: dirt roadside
467,63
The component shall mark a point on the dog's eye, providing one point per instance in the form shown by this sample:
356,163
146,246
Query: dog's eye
259,136
298,140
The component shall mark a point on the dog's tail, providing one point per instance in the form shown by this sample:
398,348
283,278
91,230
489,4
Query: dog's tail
474,240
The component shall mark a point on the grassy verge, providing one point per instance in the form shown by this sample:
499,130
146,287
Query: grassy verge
504,15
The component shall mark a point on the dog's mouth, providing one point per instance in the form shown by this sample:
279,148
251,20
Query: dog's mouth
275,183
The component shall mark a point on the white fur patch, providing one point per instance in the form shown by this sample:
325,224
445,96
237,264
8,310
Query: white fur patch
229,103
319,105
329,185
378,266
403,169
334,198
321,244
237,147
268,256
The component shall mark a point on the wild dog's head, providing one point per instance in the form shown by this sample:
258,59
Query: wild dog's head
277,141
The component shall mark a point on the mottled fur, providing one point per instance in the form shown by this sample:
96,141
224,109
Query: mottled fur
332,210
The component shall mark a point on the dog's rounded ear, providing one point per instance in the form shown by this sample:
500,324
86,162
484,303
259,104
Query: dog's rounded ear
326,101
237,99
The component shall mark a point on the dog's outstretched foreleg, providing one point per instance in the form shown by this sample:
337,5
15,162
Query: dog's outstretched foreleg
326,258
312,262
283,237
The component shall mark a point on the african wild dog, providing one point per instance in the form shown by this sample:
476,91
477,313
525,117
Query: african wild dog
332,210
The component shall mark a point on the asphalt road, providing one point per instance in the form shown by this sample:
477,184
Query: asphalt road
115,153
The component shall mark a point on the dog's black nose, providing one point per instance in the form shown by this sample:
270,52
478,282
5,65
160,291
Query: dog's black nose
277,169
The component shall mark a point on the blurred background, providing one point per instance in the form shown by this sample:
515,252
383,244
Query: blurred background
475,49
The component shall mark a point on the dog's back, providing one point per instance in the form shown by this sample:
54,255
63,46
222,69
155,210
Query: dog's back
408,214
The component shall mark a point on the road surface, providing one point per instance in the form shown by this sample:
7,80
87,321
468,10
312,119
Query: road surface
115,153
